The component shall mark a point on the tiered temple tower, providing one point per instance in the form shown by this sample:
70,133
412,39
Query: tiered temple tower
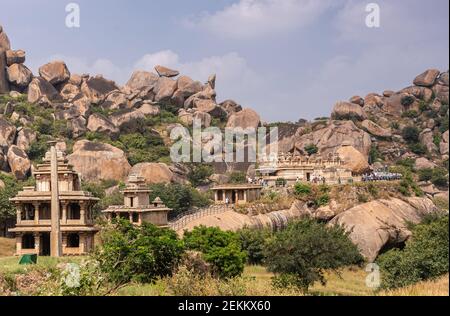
54,217
137,207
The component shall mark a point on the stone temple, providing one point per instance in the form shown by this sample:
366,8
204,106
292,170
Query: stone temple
54,217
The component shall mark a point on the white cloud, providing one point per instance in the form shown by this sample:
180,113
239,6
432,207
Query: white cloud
257,18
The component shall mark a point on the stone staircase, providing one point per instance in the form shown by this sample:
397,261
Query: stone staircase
183,219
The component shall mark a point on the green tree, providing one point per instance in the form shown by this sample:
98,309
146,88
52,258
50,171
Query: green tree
220,248
425,256
311,149
411,134
199,174
237,177
301,254
253,242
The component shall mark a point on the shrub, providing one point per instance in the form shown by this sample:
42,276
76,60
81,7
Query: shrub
410,114
253,242
323,200
300,254
221,249
425,174
237,177
311,149
281,182
374,154
440,177
411,134
425,256
7,208
302,189
139,254
199,174
423,106
418,149
407,100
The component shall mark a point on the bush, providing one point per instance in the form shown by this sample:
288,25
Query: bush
7,208
222,249
311,149
237,177
411,134
425,174
425,256
407,100
199,174
300,254
253,242
410,114
139,254
440,177
418,149
302,190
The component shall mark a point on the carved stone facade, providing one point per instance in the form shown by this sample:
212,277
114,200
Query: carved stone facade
296,168
34,220
137,207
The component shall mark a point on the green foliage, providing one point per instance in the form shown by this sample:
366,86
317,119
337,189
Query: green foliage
253,242
146,147
179,197
407,100
12,186
139,254
410,114
311,149
300,254
437,140
411,134
423,106
440,177
374,154
425,174
302,189
237,177
407,185
418,148
199,174
425,256
220,248
280,182
395,125
98,190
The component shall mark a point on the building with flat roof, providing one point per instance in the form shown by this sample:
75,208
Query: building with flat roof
137,207
236,193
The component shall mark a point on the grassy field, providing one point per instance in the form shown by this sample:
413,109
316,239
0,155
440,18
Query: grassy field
257,281
7,247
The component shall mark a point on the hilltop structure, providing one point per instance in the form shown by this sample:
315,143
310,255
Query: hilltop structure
236,193
294,168
54,217
137,207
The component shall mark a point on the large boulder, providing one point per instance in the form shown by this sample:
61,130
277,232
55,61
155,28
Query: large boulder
443,79
210,107
142,79
19,75
15,57
4,40
428,78
153,172
164,89
185,88
331,137
166,72
55,72
97,88
149,109
4,85
375,129
25,137
441,93
353,159
115,100
7,133
69,91
18,162
230,106
379,224
393,105
97,161
101,124
423,163
77,126
127,118
348,111
427,139
40,90
247,118
443,146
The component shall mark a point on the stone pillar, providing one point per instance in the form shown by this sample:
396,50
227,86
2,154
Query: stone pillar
19,213
83,213
36,212
18,244
63,242
55,234
140,219
245,196
216,196
130,216
37,243
65,205
82,245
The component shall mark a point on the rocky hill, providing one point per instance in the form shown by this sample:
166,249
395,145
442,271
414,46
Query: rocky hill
110,130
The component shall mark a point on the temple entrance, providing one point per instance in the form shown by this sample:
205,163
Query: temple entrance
44,244
73,241
308,176
233,197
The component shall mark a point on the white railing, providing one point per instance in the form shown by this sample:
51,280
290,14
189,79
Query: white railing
183,219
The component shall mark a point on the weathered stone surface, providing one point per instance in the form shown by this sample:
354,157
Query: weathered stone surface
428,78
153,172
18,162
77,126
115,100
149,109
7,133
441,93
207,93
98,161
142,79
69,91
348,111
185,88
423,163
443,146
423,93
101,124
25,137
375,129
247,118
4,40
55,72
127,118
357,100
166,72
427,139
443,79
40,90
19,75
378,224
353,159
4,85
75,79
210,107
15,57
393,105
388,93
332,136
97,88
230,106
165,88
82,104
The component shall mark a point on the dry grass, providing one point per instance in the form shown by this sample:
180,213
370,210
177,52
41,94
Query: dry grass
7,247
439,287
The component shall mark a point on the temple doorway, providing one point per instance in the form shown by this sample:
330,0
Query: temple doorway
44,244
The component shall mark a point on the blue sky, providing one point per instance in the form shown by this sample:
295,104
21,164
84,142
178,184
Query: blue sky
287,59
